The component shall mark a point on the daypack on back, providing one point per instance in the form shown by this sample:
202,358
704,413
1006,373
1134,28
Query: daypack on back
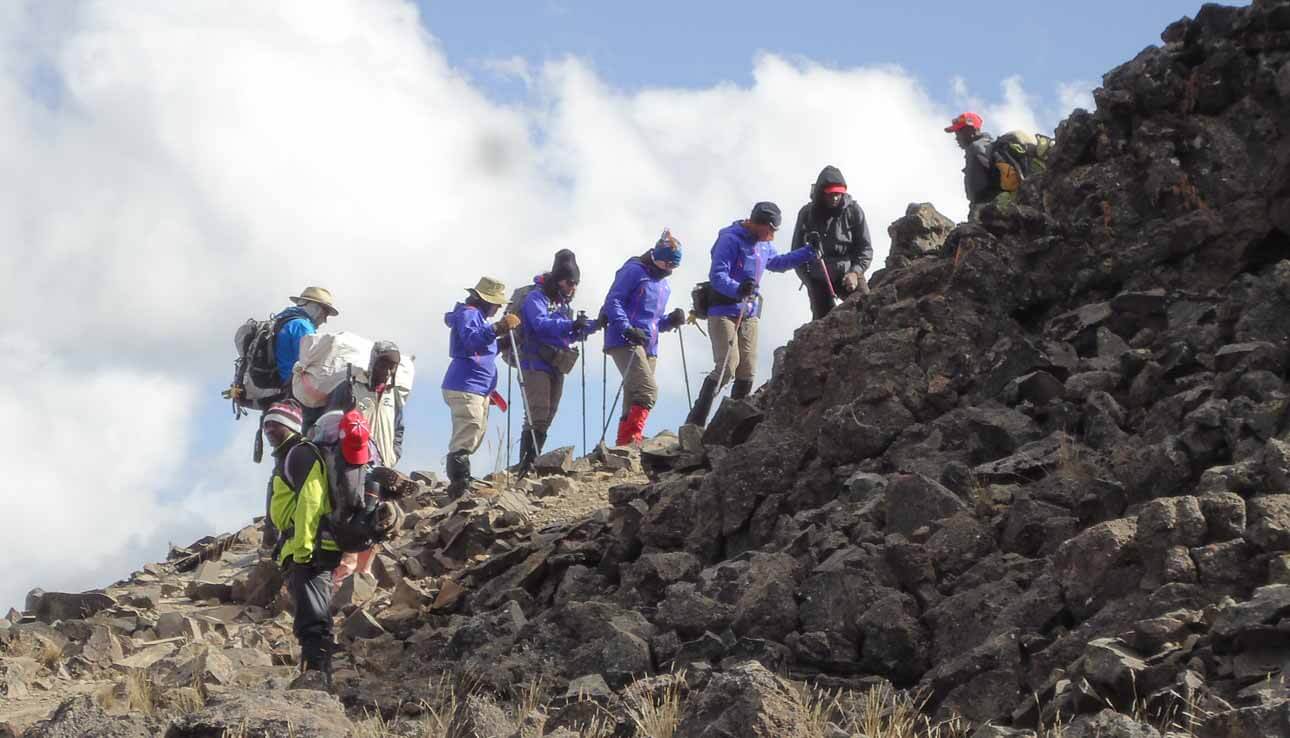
256,383
352,520
1017,155
506,345
699,300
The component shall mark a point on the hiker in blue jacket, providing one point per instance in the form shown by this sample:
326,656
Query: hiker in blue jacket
471,380
546,338
313,306
635,312
742,254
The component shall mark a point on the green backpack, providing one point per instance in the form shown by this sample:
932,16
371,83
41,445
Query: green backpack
1017,155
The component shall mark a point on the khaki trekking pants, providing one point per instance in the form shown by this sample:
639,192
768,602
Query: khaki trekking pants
639,387
739,353
469,420
543,391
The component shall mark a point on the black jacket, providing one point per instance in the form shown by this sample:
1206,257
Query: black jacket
844,233
980,182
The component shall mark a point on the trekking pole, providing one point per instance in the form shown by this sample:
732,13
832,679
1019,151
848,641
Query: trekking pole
524,395
685,368
630,363
604,382
813,238
508,415
733,339
582,359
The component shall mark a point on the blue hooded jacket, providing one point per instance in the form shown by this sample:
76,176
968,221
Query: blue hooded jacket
637,299
544,322
473,348
736,257
286,345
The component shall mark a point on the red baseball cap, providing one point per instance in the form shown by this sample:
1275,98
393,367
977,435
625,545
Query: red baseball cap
833,188
354,437
963,121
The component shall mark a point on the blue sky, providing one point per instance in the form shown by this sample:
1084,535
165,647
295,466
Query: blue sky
185,166
689,44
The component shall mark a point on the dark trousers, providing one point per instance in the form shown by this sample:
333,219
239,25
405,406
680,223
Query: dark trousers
543,391
821,300
310,588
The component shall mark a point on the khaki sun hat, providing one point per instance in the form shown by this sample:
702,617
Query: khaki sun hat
320,295
490,290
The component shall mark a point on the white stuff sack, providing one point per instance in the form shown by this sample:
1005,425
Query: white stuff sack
324,364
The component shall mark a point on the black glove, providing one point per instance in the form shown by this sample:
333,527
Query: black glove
747,288
636,336
812,241
582,325
676,318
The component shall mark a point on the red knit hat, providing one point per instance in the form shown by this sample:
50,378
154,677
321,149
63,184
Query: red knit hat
354,437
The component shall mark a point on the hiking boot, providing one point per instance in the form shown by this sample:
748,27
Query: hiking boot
528,452
702,406
458,468
741,389
315,679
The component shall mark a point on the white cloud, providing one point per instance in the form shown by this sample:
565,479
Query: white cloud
511,67
87,456
193,164
1077,94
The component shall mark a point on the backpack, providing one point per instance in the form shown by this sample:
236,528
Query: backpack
256,384
506,345
1017,155
352,520
700,299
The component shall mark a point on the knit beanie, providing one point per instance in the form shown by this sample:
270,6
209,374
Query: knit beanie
286,414
565,267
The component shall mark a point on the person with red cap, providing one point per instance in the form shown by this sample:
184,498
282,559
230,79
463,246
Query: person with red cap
980,180
835,221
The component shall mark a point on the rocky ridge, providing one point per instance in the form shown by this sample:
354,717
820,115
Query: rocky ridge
1040,471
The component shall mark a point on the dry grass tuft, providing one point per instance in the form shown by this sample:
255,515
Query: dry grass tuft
50,653
1071,464
141,694
658,716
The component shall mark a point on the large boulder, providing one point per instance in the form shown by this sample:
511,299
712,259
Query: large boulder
913,501
919,233
81,716
745,700
52,606
766,605
299,713
1084,564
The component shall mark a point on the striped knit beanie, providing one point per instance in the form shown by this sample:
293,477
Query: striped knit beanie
285,413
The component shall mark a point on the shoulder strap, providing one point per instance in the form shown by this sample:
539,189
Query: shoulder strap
296,484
